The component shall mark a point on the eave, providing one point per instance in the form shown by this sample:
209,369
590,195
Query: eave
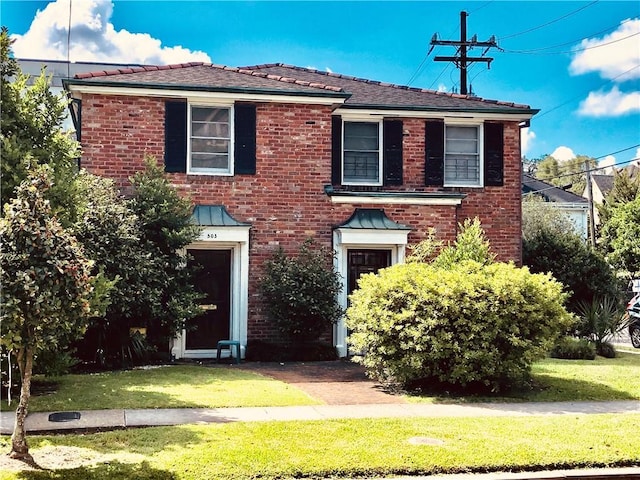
194,91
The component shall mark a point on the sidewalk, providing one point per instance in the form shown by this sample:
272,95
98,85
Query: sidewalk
119,418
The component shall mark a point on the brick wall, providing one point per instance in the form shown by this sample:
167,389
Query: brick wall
285,201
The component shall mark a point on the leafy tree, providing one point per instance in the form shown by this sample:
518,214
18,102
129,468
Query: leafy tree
567,172
48,292
111,235
581,269
539,215
32,134
167,296
620,237
300,293
625,189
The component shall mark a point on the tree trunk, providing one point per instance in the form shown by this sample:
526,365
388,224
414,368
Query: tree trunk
19,447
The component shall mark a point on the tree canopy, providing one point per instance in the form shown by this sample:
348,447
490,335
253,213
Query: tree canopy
32,134
48,291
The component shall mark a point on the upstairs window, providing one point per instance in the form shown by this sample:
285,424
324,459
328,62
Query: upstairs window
210,145
462,165
362,159
210,140
366,153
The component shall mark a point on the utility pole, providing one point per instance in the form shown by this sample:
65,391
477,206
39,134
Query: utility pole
592,222
461,59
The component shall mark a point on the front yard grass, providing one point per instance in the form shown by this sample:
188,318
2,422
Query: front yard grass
345,448
171,386
196,386
602,379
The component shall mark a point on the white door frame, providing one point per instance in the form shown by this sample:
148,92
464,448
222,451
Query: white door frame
235,239
345,239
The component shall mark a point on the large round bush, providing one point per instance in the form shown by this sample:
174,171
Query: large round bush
469,325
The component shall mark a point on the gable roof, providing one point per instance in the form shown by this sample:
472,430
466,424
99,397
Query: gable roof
290,80
603,182
550,193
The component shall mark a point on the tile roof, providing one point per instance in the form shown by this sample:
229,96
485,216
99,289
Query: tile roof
282,78
551,193
204,76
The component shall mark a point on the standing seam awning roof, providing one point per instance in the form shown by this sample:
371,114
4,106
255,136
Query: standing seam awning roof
371,218
214,216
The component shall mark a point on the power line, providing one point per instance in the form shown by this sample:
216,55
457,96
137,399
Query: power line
575,50
591,170
595,169
572,42
581,94
549,22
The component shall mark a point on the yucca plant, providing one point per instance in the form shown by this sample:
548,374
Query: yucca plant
600,319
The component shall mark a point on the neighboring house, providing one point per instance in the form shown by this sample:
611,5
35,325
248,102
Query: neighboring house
602,184
575,207
274,154
57,70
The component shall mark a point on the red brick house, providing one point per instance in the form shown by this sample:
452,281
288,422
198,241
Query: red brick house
274,154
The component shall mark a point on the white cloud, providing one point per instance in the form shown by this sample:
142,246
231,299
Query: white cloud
609,161
442,88
527,136
613,56
563,153
93,38
610,104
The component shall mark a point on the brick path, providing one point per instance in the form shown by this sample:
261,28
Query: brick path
339,382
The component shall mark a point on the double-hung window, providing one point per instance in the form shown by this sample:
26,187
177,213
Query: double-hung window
462,155
362,155
210,146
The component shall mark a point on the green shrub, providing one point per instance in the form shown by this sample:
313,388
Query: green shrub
571,348
606,349
300,293
52,362
472,326
582,270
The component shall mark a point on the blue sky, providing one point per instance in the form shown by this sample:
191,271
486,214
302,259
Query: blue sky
576,61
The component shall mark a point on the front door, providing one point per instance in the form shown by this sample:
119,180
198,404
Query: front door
365,261
213,278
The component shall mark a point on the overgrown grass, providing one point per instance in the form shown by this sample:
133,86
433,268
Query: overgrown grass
174,386
602,379
349,448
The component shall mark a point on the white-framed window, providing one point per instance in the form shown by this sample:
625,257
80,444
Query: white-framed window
362,153
210,150
463,155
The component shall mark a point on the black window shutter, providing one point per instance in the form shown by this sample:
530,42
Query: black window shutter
336,150
175,136
434,153
392,157
493,154
245,139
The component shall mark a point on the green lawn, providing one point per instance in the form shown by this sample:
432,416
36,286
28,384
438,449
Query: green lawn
346,448
175,386
190,386
341,448
570,380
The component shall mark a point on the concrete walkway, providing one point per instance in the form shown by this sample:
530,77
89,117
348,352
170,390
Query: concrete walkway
121,418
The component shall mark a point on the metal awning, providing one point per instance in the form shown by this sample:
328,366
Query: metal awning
372,219
214,216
